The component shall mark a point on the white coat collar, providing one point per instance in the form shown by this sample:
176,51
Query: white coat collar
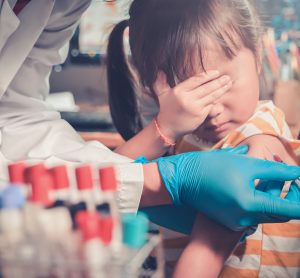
18,39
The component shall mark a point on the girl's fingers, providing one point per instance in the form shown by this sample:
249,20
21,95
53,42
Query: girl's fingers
213,96
203,84
161,85
205,111
213,86
196,81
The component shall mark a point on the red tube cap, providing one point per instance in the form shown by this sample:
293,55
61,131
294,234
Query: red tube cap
35,170
60,177
84,177
41,185
89,225
108,180
107,226
16,173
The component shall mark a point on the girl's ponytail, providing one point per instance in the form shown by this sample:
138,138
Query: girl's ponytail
122,98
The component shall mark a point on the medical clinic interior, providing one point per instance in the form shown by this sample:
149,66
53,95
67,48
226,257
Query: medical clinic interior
169,86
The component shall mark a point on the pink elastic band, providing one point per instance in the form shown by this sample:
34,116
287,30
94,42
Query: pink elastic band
166,140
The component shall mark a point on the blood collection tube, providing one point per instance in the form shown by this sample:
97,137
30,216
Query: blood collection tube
57,238
33,246
135,232
109,186
107,228
11,227
94,253
34,170
41,185
85,185
61,234
57,230
61,184
16,172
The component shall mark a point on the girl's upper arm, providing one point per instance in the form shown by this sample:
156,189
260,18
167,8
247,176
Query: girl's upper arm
266,146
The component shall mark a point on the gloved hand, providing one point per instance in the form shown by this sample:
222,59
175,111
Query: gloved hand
275,189
221,185
179,218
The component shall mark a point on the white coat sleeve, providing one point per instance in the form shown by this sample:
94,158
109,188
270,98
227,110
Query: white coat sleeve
32,131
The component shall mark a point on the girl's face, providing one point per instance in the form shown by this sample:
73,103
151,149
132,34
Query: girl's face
238,104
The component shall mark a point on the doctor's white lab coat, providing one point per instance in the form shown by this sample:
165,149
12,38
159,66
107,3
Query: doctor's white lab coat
30,44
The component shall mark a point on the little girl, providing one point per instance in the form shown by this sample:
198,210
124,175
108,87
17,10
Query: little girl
200,62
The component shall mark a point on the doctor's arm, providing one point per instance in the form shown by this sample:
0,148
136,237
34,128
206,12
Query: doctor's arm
154,192
228,197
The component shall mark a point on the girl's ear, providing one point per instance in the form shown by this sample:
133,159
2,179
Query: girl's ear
161,85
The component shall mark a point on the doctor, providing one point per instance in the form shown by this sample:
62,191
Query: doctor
34,36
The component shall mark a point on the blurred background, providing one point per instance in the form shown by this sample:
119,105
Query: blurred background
79,90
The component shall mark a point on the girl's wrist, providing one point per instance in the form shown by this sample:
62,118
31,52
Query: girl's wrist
167,136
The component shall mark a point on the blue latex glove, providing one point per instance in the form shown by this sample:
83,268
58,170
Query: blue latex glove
275,188
178,218
181,218
221,185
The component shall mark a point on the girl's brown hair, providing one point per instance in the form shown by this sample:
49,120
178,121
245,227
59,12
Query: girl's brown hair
171,36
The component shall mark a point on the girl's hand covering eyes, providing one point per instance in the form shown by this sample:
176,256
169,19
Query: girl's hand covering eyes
185,107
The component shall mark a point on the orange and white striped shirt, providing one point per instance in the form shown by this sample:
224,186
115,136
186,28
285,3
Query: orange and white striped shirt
274,249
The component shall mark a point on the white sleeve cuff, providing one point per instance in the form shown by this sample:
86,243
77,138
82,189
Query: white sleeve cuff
131,182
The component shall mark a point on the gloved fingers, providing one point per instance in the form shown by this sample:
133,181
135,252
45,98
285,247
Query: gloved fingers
275,171
273,188
275,206
294,193
243,149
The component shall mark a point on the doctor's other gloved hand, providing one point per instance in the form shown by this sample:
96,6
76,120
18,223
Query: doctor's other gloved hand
221,185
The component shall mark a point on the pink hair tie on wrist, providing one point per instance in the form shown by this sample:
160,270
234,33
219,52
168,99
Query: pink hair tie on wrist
165,139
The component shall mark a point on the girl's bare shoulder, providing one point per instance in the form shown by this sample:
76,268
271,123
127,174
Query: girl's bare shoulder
266,146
